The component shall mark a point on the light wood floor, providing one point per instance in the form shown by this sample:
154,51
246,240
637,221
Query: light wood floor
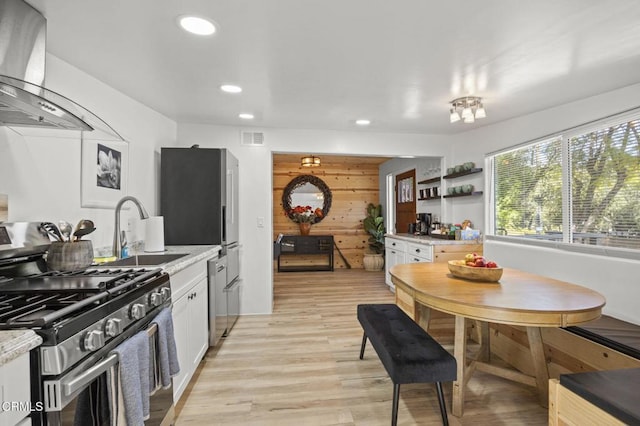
300,366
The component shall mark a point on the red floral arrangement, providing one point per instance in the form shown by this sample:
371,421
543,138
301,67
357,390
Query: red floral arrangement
304,214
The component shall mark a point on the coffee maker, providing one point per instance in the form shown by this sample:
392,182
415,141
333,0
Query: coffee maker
423,223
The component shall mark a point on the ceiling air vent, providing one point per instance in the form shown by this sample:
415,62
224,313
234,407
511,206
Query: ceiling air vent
252,138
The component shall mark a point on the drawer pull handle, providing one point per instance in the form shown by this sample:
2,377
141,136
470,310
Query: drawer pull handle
417,250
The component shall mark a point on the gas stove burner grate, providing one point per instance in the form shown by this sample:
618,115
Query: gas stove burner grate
43,309
93,281
52,299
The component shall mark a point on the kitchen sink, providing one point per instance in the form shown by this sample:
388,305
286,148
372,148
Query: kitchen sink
146,260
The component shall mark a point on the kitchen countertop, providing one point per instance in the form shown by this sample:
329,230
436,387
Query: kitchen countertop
427,240
194,254
14,343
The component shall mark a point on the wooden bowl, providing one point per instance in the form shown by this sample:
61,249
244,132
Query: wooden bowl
460,270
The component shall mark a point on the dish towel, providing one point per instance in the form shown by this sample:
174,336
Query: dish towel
92,406
133,356
113,392
167,353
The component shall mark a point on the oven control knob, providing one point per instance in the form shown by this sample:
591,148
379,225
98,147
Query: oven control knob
166,293
93,340
138,311
155,299
113,327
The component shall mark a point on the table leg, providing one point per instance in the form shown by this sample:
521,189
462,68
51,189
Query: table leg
423,315
539,363
484,353
459,352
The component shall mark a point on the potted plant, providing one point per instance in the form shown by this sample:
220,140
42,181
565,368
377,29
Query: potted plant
374,225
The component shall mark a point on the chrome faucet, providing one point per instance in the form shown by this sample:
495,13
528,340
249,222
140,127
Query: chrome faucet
117,241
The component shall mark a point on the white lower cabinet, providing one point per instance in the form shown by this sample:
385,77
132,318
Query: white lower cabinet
398,251
417,253
190,322
15,389
394,255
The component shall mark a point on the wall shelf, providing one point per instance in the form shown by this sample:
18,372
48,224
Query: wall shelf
429,198
464,195
431,180
463,173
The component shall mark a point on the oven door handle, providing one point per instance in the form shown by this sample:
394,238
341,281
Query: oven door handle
88,376
60,392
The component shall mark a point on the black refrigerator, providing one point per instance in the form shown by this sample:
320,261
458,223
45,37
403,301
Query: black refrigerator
199,196
199,193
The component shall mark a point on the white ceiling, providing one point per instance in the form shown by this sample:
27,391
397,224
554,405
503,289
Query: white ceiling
323,64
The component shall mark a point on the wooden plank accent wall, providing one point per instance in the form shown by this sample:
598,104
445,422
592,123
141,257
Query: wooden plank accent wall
354,184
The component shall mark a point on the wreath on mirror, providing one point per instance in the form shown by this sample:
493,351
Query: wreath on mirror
300,181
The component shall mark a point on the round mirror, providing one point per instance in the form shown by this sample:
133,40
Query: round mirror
307,190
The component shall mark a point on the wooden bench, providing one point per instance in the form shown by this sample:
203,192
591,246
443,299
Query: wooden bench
595,398
407,352
600,397
613,333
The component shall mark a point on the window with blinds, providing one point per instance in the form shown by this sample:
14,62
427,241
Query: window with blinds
528,190
605,186
582,188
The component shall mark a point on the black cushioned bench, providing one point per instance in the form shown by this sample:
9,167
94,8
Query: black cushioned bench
408,353
613,333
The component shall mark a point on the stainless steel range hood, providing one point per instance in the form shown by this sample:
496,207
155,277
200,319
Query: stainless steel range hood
23,99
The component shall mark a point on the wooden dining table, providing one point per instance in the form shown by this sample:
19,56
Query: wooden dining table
518,298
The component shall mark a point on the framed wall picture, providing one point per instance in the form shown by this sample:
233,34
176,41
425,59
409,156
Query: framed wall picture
105,172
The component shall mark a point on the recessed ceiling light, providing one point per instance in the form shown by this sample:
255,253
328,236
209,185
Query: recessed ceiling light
230,88
363,122
197,25
246,116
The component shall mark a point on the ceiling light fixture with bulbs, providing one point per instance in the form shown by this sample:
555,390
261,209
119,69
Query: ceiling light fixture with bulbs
468,108
310,161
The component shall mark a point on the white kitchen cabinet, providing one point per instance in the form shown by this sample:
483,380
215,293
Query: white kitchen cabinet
418,253
398,251
15,388
394,255
190,321
198,315
181,331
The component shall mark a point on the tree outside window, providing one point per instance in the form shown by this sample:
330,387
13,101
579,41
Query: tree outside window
602,202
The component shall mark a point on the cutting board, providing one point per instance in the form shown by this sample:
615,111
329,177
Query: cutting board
4,207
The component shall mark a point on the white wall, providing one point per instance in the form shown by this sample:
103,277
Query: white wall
617,279
256,264
40,171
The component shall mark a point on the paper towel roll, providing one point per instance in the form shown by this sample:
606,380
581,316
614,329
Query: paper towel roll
154,234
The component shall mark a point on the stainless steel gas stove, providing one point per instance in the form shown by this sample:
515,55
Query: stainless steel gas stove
81,316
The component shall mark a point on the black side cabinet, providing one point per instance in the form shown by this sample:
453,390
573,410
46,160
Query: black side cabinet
300,245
